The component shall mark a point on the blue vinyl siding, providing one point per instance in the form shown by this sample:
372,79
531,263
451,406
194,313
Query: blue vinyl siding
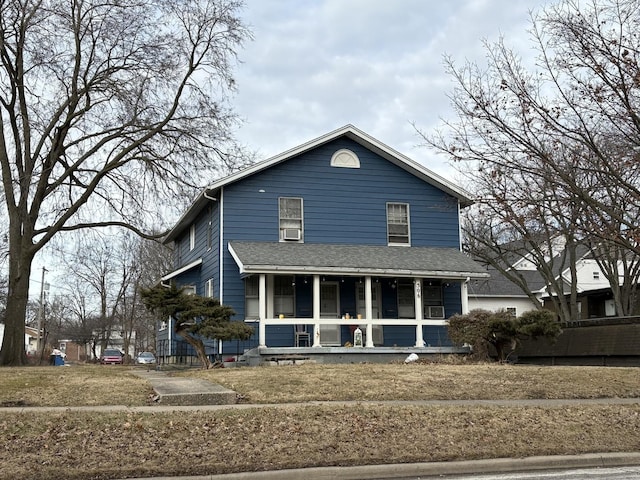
340,205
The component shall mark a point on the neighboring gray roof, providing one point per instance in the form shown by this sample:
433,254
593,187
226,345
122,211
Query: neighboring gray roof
349,131
329,259
500,286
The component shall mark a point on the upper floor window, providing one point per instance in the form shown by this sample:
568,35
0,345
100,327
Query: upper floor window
210,229
192,236
398,223
290,216
345,158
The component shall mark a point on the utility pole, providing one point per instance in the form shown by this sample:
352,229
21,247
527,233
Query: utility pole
41,314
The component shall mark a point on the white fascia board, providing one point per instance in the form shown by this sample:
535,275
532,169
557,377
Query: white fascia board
236,258
300,270
355,134
365,140
177,272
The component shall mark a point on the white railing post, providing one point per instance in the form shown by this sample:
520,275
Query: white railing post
262,308
464,296
316,310
368,308
417,289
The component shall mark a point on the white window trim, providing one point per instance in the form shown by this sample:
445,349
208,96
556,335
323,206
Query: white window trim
192,236
408,243
301,219
255,317
345,158
208,288
189,289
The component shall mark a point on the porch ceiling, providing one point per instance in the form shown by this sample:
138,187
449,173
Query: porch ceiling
359,260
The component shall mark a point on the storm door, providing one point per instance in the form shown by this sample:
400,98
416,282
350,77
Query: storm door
329,308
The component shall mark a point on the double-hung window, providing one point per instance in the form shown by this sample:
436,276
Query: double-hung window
284,295
208,288
398,223
251,297
290,216
192,236
406,299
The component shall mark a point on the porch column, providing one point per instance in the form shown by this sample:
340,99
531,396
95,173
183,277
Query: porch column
316,310
262,310
368,310
464,296
417,298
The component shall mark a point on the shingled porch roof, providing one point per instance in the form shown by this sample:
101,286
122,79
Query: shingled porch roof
330,259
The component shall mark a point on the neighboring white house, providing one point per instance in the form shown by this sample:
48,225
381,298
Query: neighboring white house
30,339
498,293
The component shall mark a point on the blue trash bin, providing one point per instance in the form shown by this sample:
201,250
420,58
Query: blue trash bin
59,361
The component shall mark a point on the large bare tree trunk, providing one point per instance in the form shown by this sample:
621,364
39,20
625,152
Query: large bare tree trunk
13,345
86,139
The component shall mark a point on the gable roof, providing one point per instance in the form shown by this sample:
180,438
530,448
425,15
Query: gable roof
500,286
332,259
348,131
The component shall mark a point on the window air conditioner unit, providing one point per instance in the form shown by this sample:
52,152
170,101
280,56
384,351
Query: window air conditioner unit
291,234
436,312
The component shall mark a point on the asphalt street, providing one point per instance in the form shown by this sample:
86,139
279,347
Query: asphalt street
618,473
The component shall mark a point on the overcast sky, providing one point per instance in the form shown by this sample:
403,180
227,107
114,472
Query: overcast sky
317,65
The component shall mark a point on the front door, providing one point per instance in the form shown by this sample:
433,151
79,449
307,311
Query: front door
329,308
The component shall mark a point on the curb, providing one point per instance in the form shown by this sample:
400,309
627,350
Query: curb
433,469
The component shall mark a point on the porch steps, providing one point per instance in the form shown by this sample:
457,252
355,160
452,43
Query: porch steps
292,359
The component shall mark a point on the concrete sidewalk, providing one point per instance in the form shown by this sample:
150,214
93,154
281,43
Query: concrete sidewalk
191,394
188,394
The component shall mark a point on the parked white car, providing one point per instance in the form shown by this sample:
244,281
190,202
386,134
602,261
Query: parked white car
145,358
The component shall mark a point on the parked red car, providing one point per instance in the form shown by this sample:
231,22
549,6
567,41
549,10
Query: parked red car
111,356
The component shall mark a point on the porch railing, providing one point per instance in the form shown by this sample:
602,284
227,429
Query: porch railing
318,322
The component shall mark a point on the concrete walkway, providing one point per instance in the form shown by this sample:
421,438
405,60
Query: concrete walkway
185,391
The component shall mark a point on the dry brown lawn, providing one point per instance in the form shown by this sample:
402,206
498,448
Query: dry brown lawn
90,445
423,381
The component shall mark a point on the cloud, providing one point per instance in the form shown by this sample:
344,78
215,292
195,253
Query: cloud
316,65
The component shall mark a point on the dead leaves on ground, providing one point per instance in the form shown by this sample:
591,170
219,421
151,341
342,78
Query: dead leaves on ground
92,445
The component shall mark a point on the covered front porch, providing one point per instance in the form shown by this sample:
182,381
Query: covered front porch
359,299
388,312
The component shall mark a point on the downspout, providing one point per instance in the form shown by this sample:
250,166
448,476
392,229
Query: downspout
170,339
459,227
213,199
221,249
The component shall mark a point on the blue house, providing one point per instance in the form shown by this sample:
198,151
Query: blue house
338,234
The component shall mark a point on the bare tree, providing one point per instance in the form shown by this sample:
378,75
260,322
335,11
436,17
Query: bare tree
108,109
552,151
